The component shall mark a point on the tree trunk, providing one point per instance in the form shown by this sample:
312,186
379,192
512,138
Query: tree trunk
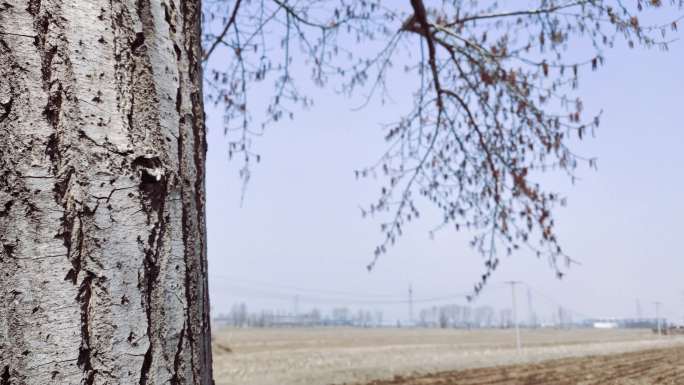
102,202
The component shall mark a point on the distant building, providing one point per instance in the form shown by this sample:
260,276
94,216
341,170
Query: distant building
605,325
625,323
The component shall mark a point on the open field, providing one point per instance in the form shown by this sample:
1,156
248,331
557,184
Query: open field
335,356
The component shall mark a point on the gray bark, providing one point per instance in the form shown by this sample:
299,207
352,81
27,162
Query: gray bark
102,230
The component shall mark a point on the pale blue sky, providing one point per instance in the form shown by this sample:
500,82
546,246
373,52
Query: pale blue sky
300,224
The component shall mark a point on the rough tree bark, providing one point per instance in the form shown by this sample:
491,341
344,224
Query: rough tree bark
102,230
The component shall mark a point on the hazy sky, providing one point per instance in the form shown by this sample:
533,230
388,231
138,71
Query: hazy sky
299,230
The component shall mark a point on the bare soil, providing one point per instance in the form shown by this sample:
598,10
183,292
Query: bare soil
649,367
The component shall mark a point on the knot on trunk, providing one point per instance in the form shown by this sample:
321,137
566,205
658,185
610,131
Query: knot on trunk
152,180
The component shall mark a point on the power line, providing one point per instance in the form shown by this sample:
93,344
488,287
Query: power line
515,315
556,303
268,290
270,294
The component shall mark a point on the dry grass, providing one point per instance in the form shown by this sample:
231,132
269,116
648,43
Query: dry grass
327,356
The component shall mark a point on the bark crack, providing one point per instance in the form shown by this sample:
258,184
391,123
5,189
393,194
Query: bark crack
84,352
196,278
106,145
153,187
147,363
5,377
6,109
176,379
188,251
6,210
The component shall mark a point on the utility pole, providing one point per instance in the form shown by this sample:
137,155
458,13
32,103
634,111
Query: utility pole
638,309
683,303
296,306
530,309
657,309
682,324
410,293
515,315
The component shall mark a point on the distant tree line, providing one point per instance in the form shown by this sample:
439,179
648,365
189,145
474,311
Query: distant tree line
468,317
449,316
240,316
444,316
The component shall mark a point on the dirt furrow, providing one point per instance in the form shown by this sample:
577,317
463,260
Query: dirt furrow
649,367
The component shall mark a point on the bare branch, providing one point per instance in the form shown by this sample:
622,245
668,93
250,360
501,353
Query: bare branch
223,33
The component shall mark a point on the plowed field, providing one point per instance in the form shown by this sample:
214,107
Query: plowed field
649,367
